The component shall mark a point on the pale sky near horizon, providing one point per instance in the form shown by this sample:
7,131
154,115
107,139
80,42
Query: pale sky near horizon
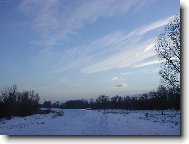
73,49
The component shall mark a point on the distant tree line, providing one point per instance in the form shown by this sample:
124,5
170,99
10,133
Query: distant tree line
161,99
15,103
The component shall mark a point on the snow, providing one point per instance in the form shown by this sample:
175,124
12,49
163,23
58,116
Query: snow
95,122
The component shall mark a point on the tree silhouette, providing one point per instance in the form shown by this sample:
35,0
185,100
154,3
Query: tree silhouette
15,103
116,101
168,49
102,101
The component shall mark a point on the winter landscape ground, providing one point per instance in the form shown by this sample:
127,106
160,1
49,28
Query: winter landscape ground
95,122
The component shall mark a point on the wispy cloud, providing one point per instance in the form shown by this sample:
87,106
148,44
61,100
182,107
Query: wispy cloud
42,15
126,73
148,63
122,85
96,51
54,20
149,47
115,50
150,70
154,26
122,59
115,78
132,51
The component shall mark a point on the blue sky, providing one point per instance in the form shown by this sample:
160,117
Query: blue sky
73,49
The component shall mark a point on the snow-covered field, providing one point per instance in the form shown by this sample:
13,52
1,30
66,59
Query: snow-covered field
94,122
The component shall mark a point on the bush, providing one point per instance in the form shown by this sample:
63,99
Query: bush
56,114
14,103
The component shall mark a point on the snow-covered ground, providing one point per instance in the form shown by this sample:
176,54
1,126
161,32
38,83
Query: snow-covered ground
94,122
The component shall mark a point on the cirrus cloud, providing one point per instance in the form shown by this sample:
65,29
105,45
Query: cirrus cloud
54,20
132,50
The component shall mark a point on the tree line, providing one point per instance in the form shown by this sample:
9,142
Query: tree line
160,99
15,103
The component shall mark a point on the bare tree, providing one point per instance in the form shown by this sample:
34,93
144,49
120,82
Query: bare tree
102,101
162,97
168,49
15,103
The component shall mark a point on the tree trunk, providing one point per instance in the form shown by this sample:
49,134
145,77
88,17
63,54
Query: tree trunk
162,112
